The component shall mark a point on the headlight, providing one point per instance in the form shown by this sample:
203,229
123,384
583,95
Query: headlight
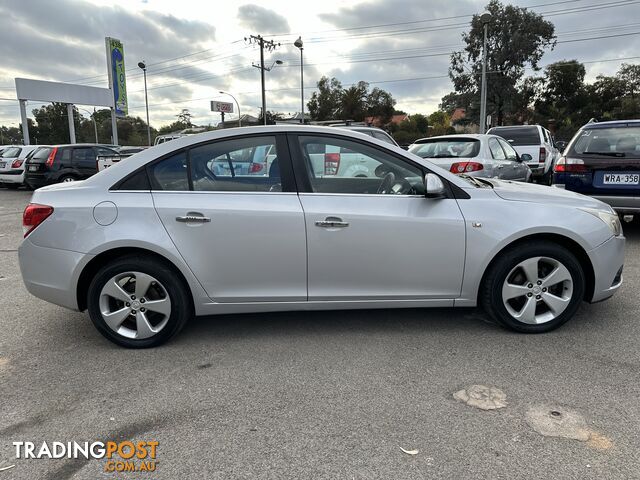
610,218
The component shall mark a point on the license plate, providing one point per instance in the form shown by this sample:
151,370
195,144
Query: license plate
621,179
33,168
3,164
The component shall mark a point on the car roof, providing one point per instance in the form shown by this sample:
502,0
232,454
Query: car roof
476,136
111,175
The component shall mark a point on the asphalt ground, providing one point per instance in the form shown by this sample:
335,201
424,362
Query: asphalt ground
332,395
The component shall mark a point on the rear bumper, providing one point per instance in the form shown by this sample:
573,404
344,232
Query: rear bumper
621,204
37,181
50,273
607,261
12,176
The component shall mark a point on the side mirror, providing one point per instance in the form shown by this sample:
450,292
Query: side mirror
433,186
525,157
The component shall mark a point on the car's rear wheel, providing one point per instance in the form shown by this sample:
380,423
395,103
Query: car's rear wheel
534,287
67,178
138,302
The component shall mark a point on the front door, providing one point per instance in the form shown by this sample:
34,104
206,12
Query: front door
241,231
376,238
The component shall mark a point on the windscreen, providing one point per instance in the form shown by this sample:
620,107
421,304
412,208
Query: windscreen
447,148
12,152
518,136
613,142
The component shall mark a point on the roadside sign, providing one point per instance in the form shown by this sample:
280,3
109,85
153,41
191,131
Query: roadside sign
117,79
221,107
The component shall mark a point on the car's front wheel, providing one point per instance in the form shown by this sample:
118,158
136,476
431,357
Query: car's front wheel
534,287
138,302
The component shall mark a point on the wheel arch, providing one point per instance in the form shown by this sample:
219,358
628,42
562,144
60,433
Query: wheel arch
103,258
571,245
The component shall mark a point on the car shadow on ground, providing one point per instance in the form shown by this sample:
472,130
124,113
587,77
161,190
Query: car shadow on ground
335,322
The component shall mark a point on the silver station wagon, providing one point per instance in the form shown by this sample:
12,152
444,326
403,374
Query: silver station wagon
170,233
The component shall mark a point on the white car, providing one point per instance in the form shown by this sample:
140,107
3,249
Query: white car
535,141
12,162
477,155
147,243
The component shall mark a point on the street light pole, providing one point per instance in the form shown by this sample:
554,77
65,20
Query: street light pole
93,117
298,43
485,18
237,103
143,66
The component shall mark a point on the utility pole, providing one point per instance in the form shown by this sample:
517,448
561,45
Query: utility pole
270,45
485,18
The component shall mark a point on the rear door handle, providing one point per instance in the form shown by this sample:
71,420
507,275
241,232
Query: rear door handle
193,219
332,222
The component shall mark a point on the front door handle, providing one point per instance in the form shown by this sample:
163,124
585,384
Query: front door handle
332,222
190,218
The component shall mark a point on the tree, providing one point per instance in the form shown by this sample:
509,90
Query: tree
332,102
184,117
517,38
353,102
380,104
52,123
325,102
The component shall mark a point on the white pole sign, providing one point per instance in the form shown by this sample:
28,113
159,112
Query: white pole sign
221,107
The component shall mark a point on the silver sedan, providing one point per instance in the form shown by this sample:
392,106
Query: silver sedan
478,155
165,235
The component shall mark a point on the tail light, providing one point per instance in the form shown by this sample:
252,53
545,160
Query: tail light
331,163
51,157
33,216
17,163
543,155
463,167
255,168
575,165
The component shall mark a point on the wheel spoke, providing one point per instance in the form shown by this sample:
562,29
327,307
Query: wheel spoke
113,289
144,328
510,291
556,304
559,274
115,319
530,268
143,282
528,312
161,306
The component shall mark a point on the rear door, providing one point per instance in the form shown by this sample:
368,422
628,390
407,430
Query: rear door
242,234
517,169
84,161
503,166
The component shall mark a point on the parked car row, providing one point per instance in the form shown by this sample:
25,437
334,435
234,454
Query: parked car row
38,165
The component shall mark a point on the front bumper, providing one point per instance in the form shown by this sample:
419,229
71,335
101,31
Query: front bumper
607,261
50,273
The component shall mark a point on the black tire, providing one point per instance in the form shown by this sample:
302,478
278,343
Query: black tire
12,186
178,292
490,297
67,178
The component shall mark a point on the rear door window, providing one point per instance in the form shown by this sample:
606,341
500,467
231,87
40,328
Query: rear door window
84,157
496,149
170,173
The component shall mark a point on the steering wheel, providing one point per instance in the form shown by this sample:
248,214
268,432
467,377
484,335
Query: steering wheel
387,183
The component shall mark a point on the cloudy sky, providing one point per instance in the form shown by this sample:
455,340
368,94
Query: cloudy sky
193,48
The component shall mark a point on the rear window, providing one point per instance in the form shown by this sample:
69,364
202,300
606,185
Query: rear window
41,154
447,148
518,135
614,142
12,152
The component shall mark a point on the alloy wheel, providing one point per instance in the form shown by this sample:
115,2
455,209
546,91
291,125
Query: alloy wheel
537,290
135,305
